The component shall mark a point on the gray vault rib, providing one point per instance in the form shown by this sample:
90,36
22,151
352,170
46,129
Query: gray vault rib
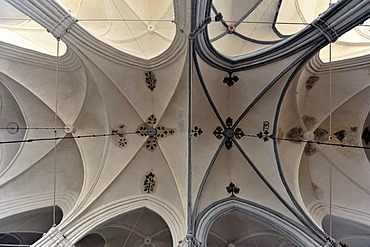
276,31
218,36
301,61
204,180
238,22
262,42
303,220
281,79
253,209
271,84
216,13
271,54
282,96
209,98
299,214
247,14
310,54
340,18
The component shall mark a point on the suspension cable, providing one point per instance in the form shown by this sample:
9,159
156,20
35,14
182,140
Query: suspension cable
55,134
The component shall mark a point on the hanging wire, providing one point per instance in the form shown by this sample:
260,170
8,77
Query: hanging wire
13,128
133,228
55,133
32,128
171,20
330,140
15,245
131,133
65,137
307,141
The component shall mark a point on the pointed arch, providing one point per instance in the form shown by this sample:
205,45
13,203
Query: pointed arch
288,228
167,212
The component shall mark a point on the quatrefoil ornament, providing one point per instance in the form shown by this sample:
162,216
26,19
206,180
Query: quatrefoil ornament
153,132
229,133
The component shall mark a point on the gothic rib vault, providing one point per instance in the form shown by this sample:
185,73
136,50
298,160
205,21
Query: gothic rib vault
184,123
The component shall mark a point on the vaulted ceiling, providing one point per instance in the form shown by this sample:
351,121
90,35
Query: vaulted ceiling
142,120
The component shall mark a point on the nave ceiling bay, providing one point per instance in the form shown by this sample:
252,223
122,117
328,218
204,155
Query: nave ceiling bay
211,128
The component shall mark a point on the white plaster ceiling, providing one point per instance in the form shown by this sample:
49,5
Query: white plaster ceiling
264,23
307,107
141,28
18,29
141,227
237,229
348,231
26,228
97,93
300,13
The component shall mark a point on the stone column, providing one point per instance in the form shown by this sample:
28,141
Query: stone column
53,238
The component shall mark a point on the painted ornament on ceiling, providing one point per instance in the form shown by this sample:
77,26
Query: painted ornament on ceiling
229,133
118,136
232,189
151,81
311,81
196,131
149,183
231,80
153,132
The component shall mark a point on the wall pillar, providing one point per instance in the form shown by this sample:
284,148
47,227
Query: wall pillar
53,238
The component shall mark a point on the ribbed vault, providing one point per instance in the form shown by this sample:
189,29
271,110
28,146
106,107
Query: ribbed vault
172,122
144,29
19,30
